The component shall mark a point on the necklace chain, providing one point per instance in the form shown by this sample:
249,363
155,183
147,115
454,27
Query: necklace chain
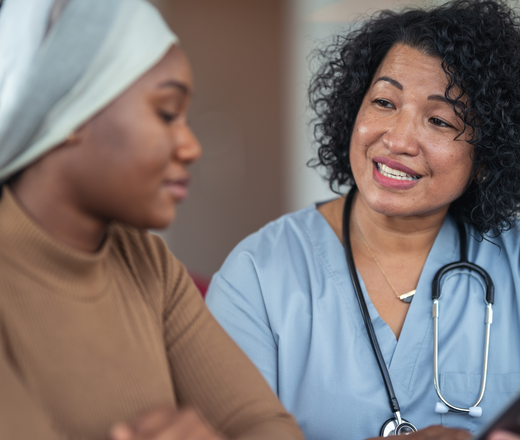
405,297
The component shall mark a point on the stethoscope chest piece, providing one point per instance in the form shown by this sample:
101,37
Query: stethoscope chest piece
392,427
397,425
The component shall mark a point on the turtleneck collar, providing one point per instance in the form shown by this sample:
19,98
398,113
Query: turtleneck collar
27,244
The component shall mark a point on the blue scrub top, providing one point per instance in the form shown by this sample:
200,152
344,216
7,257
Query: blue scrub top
285,296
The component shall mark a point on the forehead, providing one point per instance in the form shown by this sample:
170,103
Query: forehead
413,68
172,72
173,67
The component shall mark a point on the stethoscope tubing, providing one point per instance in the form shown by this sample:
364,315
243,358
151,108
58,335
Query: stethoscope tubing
394,404
436,283
436,294
489,321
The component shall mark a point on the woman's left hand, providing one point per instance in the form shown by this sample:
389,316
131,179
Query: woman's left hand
503,435
166,423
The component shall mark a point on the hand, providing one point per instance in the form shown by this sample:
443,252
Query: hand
165,423
503,435
438,432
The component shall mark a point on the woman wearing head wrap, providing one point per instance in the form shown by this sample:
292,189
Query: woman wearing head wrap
99,323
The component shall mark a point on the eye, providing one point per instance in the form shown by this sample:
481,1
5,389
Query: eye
383,103
440,123
167,117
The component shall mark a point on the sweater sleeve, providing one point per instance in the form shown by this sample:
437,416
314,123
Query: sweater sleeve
21,418
210,372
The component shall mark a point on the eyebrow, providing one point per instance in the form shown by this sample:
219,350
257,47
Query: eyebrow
438,98
391,81
175,84
400,87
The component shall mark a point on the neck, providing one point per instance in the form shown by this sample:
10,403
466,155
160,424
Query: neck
395,235
50,206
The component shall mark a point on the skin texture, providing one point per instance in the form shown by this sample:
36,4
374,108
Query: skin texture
400,226
402,118
503,435
128,163
439,433
166,423
413,127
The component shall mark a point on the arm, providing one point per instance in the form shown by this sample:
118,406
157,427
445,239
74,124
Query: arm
239,307
211,374
20,417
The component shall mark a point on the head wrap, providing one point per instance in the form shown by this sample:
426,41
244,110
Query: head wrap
63,61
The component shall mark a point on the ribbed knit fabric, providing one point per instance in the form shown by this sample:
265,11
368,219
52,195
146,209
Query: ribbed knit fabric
92,339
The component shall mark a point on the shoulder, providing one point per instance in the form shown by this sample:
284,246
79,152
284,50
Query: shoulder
509,240
292,232
139,247
500,251
147,257
287,255
277,279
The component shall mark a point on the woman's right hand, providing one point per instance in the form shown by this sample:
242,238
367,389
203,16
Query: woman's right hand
503,435
166,423
437,432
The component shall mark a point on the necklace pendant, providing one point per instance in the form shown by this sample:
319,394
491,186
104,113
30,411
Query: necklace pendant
407,297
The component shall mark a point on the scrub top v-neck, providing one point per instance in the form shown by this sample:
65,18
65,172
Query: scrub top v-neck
285,296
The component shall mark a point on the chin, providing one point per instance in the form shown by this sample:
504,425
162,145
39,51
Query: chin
406,208
157,220
163,222
392,205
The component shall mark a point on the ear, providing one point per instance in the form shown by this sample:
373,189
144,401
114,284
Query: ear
75,137
72,139
480,173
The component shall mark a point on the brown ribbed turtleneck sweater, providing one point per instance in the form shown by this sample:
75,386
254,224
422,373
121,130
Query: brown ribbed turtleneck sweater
92,339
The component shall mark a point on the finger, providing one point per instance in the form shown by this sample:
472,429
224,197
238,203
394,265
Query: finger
503,435
120,431
155,421
441,432
438,432
187,425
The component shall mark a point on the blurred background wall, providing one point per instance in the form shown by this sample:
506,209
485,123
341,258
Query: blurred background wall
251,70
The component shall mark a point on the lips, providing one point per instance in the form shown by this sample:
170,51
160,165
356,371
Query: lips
394,175
178,188
396,166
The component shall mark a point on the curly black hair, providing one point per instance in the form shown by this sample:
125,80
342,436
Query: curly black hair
478,44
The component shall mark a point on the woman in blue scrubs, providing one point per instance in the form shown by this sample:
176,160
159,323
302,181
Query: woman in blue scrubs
419,112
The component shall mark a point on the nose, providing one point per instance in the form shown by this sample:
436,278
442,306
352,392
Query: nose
403,134
187,147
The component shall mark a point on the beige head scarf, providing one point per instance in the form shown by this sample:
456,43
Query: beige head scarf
62,61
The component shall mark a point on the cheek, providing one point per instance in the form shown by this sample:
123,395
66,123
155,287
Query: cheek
465,169
359,143
367,129
131,146
456,161
362,127
453,171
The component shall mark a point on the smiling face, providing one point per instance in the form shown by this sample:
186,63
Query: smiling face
130,161
403,154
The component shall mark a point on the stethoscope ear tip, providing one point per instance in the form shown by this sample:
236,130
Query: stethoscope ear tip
475,411
440,408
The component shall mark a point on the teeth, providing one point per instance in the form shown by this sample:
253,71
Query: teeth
386,171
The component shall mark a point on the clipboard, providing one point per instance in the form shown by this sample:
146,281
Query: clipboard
507,420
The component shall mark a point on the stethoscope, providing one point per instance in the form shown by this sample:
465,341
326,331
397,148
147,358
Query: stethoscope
397,425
